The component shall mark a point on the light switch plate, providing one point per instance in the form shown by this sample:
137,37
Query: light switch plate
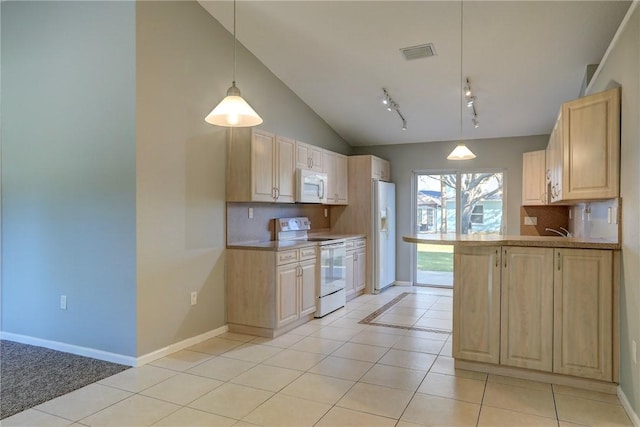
530,220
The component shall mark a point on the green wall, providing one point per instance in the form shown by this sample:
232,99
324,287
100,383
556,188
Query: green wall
622,68
112,183
68,173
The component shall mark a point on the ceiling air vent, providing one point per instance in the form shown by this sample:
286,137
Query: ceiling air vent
420,51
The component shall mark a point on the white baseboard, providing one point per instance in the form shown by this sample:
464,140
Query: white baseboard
69,348
158,354
402,283
113,357
635,419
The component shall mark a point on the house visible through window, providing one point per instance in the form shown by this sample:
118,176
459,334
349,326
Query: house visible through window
477,215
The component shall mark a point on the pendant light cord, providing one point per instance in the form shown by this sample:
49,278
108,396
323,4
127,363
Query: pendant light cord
234,42
460,82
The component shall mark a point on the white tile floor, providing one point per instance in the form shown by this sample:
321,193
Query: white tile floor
329,372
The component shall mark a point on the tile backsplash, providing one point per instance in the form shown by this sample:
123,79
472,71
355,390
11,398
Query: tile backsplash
599,219
544,217
241,228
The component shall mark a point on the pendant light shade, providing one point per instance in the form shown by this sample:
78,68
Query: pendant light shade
233,111
461,152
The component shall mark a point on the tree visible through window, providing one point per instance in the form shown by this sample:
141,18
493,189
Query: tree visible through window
454,202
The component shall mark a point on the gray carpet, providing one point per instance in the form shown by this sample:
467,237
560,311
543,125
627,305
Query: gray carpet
31,375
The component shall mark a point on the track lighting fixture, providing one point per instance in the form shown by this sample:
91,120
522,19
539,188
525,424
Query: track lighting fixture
471,103
392,105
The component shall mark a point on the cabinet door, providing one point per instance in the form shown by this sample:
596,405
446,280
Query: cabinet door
308,156
285,170
316,158
476,312
591,140
307,283
329,167
287,293
342,179
555,168
527,308
583,286
359,269
533,178
349,276
262,166
380,169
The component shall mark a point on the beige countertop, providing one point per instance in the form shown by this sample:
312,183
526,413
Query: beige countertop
279,245
510,240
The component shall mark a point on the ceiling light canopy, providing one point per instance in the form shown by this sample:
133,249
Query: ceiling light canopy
233,110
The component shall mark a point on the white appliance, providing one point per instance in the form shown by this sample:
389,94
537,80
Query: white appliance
311,186
384,234
330,263
332,277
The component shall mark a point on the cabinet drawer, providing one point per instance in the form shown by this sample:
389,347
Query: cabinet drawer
361,243
308,253
287,256
350,245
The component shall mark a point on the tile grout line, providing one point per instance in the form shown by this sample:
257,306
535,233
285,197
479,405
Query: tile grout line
555,405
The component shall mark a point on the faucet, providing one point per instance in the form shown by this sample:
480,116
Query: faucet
566,231
560,233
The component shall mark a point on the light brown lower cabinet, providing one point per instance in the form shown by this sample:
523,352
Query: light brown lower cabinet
476,298
355,261
296,291
527,308
583,307
543,309
270,292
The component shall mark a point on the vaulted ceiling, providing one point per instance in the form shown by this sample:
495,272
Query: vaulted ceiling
523,58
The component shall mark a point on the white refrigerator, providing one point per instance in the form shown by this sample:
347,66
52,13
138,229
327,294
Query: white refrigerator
384,234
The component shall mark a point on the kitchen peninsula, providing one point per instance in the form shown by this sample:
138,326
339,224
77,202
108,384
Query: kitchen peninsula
534,307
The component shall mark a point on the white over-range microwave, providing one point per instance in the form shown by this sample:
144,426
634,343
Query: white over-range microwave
311,186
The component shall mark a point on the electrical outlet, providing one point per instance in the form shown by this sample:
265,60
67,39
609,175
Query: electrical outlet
530,220
250,213
326,212
634,354
63,302
194,298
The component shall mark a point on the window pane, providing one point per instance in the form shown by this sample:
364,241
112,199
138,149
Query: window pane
436,203
481,202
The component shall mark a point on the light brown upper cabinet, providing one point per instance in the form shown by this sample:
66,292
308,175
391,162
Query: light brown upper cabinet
553,160
260,166
380,169
336,167
587,153
534,184
308,156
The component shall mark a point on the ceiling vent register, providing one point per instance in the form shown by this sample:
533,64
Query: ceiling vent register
417,52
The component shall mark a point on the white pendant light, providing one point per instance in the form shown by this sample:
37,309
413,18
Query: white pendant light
233,111
462,152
